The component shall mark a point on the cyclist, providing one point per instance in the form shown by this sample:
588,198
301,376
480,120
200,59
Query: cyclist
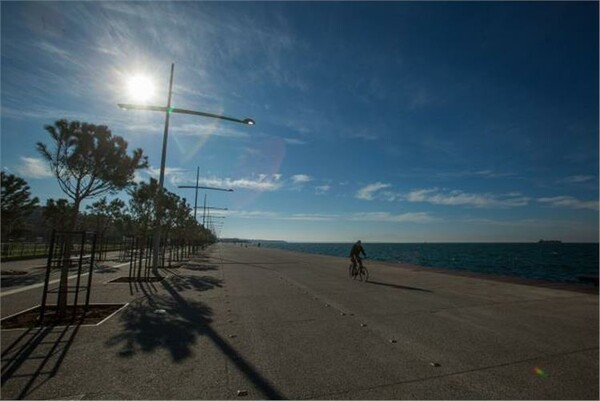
355,252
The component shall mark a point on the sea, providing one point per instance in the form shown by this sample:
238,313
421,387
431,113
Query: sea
554,262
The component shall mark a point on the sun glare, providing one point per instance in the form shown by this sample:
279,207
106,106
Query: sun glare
140,88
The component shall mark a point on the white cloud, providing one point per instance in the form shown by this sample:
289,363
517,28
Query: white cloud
523,223
576,179
419,217
301,178
321,189
569,202
390,196
44,113
259,182
53,50
138,177
262,183
259,214
294,141
311,217
420,195
366,193
459,198
34,168
215,129
491,174
171,172
253,214
144,128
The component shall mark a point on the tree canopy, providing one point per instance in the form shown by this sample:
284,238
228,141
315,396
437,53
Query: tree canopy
87,160
104,213
174,214
54,214
17,203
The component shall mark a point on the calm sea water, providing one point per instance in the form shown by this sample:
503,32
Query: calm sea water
553,262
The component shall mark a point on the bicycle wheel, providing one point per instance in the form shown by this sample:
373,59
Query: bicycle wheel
355,274
364,274
350,270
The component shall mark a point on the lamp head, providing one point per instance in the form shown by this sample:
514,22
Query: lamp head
249,121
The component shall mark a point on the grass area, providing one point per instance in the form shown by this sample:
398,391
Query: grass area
23,250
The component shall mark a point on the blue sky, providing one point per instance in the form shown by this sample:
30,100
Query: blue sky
387,121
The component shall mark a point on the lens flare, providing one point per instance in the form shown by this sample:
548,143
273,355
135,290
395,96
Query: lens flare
540,372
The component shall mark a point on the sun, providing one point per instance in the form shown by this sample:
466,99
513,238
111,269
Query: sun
140,88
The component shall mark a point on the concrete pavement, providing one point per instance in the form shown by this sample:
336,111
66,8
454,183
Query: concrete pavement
274,324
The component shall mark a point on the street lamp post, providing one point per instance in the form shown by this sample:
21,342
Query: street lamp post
161,179
196,197
208,209
168,110
209,220
201,187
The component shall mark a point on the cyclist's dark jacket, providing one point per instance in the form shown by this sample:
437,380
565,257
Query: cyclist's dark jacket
357,249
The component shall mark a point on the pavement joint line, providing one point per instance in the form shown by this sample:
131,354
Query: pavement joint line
32,286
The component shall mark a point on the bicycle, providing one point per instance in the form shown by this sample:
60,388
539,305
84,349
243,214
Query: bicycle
360,272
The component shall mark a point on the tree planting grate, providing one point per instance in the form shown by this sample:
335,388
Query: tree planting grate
95,314
174,266
13,273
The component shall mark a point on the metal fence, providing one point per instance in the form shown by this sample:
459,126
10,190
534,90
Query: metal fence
138,252
69,250
32,250
24,249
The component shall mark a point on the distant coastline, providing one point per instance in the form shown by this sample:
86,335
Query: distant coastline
552,261
252,241
541,241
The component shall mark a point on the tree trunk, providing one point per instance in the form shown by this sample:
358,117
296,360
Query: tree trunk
63,293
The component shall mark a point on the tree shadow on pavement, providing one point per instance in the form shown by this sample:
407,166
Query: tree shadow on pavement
199,266
13,281
226,261
199,259
145,287
401,287
160,322
174,323
102,269
198,283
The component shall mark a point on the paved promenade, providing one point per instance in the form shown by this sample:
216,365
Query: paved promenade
256,323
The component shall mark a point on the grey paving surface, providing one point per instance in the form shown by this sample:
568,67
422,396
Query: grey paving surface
278,324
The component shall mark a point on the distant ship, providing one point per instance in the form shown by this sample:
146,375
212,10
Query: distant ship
549,241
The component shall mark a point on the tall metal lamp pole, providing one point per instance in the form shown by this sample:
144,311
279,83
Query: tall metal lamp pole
168,110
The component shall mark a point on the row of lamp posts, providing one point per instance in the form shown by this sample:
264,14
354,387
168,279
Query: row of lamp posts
168,109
